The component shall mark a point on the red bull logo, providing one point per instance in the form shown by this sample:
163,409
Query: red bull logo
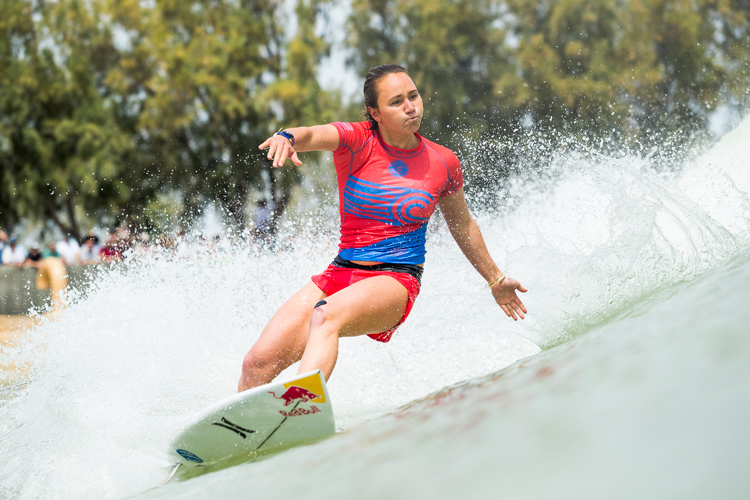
297,412
294,393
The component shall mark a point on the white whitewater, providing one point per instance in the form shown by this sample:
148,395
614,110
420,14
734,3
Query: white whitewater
632,273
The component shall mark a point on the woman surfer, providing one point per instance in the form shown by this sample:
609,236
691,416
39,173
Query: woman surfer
390,182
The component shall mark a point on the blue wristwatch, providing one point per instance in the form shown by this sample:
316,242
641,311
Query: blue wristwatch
286,134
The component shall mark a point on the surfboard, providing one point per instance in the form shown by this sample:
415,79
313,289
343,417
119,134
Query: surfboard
254,423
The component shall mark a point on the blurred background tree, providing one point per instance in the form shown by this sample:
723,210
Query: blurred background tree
637,67
453,49
507,82
111,107
61,147
117,110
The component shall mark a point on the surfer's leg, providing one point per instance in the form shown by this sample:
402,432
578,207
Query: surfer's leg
282,341
372,305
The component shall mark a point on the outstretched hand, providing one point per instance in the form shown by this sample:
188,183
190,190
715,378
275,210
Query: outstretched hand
505,296
280,150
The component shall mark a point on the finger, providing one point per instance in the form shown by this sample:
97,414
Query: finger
520,305
278,152
265,144
512,313
521,288
509,311
518,310
284,155
505,310
271,151
295,159
280,157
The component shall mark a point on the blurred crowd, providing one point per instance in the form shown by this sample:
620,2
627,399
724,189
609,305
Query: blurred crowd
114,248
69,250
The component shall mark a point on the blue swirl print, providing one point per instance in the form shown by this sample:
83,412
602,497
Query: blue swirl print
393,205
406,248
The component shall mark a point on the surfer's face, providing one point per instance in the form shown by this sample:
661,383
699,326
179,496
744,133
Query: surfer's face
400,106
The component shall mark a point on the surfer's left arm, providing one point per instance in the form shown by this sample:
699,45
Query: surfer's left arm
465,231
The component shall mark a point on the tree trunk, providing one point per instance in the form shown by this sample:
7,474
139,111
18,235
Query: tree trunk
75,231
67,229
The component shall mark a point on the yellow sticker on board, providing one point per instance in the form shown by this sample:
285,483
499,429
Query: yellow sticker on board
313,383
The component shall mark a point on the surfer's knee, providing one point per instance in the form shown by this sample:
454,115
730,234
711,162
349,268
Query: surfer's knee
322,321
252,363
258,369
256,363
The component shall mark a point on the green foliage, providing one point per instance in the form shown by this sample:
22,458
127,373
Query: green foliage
219,86
61,146
297,96
451,49
634,66
637,66
118,109
109,106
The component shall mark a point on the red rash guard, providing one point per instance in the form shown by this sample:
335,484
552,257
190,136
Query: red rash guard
387,195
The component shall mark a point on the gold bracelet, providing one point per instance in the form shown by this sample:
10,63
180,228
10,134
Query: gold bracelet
497,281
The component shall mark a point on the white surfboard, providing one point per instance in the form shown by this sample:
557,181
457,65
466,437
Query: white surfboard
254,423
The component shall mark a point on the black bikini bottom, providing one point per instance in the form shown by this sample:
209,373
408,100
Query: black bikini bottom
411,269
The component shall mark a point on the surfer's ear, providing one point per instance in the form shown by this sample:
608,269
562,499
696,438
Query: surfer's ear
375,113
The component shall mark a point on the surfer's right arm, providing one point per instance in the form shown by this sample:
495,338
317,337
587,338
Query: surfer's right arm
285,144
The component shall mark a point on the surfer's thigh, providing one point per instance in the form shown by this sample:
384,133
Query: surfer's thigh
285,335
372,305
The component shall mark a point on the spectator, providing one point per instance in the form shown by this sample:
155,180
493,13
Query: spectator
3,240
69,250
142,244
263,219
51,251
89,252
34,257
13,254
112,251
124,237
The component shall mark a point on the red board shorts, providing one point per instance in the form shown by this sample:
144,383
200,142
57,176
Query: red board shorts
336,278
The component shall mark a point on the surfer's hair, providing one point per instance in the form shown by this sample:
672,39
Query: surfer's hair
371,88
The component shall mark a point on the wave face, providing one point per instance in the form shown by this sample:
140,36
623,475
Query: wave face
627,379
